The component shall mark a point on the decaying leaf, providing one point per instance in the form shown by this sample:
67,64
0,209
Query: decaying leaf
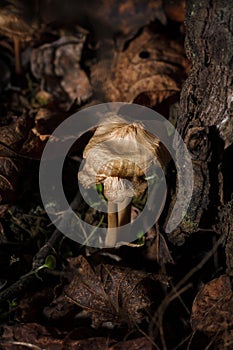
125,18
12,137
29,336
57,64
212,307
97,343
175,10
119,20
135,344
151,68
156,248
35,336
112,295
46,121
19,20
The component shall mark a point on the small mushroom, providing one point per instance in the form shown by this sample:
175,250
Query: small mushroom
118,156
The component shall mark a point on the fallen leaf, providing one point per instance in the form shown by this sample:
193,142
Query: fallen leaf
31,305
30,335
34,145
134,344
119,20
98,343
35,336
174,10
212,307
112,295
12,137
156,248
151,69
57,64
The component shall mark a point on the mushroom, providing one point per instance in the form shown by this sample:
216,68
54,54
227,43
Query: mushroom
118,156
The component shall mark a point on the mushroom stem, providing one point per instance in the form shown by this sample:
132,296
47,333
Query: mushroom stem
17,52
120,217
111,236
124,212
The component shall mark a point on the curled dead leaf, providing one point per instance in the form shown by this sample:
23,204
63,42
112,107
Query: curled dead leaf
57,64
152,68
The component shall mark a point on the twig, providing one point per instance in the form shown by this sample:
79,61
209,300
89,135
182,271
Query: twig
17,51
20,343
190,336
178,290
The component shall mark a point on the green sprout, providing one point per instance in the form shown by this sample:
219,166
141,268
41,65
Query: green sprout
12,303
50,263
140,236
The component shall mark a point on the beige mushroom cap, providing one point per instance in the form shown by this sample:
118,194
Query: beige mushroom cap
119,155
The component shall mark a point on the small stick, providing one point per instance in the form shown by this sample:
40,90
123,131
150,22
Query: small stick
18,65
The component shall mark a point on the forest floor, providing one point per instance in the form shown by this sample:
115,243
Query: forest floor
54,292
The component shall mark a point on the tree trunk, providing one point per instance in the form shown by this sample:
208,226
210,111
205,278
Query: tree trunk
205,122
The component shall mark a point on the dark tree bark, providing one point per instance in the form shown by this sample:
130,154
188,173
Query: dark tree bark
206,122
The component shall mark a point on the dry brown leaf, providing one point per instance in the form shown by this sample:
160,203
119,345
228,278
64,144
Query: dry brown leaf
32,334
112,295
48,118
35,336
57,64
98,343
34,145
119,20
122,19
175,10
134,14
156,248
213,306
31,304
134,344
12,137
19,19
152,68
